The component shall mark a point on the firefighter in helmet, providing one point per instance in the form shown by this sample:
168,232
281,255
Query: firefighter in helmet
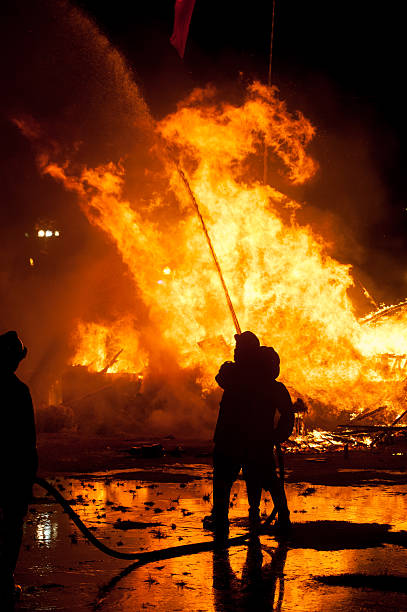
247,429
18,459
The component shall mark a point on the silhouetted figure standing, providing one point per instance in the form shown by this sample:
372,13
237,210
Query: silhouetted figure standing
271,422
247,429
18,459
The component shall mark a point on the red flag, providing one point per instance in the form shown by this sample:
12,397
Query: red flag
182,19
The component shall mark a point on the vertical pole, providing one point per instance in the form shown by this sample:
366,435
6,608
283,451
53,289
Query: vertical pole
265,160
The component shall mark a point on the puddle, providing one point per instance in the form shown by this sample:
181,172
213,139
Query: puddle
61,571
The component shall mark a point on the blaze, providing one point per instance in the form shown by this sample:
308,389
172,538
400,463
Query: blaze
112,349
284,285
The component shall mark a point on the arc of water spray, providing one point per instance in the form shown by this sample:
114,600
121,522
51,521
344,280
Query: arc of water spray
212,250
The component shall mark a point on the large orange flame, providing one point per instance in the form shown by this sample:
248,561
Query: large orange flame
284,285
100,348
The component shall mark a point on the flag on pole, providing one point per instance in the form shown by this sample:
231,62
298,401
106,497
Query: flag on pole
182,19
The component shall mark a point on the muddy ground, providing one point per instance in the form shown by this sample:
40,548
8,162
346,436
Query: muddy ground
347,549
69,453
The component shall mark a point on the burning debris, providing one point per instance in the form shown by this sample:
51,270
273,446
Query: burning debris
380,434
316,441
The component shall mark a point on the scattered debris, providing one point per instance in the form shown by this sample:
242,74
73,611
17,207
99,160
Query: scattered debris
158,534
147,451
121,509
307,491
181,584
125,525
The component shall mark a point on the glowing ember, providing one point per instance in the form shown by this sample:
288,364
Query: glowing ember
318,440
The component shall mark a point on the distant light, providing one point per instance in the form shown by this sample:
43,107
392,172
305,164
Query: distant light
26,235
160,282
31,261
56,233
167,270
41,233
48,233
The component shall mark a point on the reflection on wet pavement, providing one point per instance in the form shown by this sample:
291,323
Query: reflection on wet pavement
61,571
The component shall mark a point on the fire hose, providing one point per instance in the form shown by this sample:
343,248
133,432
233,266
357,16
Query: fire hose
145,556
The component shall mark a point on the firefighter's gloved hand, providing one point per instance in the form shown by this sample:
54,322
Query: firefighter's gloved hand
226,375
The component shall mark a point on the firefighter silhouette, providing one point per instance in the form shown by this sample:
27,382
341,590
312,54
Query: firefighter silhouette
18,460
255,415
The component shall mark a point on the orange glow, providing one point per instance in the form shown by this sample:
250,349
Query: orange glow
97,345
283,284
318,440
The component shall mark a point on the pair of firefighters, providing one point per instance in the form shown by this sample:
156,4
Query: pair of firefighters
255,415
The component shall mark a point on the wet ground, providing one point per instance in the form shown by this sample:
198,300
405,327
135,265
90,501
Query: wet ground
347,550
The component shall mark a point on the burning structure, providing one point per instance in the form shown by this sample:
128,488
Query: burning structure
169,322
